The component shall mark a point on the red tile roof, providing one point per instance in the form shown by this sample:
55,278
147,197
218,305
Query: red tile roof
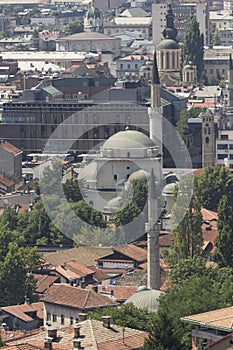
217,319
208,215
121,293
132,251
44,282
75,297
8,147
20,311
73,269
6,182
94,336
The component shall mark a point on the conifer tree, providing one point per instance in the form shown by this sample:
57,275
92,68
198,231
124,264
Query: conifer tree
224,246
193,47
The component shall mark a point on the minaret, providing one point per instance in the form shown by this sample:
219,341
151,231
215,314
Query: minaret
155,111
230,83
152,228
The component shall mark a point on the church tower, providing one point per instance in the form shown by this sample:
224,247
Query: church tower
208,138
230,83
155,111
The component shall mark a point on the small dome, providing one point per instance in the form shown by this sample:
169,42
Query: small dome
113,205
145,299
128,139
139,175
141,288
88,173
171,178
168,44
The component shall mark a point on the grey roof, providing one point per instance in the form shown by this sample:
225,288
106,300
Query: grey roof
128,139
87,36
145,299
134,12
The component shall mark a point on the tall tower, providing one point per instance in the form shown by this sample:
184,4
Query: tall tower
152,228
230,83
208,138
155,111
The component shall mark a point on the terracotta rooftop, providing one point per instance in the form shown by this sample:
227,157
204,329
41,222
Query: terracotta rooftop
94,336
75,297
218,319
44,282
132,251
85,255
208,215
20,311
8,147
6,182
121,293
73,269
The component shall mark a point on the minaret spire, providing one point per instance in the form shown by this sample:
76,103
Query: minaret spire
230,82
155,111
152,227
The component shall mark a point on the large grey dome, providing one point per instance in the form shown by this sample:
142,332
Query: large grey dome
145,299
128,139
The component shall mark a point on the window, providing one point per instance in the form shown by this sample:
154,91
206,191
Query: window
54,318
221,156
121,66
62,319
222,146
71,320
48,316
224,137
207,140
115,177
128,66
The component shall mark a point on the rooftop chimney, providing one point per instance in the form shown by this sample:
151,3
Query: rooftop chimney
52,333
106,321
77,344
82,317
48,343
77,331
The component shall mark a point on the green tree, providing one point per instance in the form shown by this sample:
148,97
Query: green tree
127,315
188,240
216,39
193,47
10,218
72,190
74,27
224,247
16,263
191,297
133,206
213,183
185,115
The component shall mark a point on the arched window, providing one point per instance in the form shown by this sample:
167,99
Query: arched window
115,177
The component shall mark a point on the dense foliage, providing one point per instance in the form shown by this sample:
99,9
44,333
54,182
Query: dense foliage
193,47
16,265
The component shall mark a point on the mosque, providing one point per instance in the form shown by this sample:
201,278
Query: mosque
129,155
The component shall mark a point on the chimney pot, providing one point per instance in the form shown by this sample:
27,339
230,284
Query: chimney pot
77,344
106,321
77,331
52,333
48,343
82,317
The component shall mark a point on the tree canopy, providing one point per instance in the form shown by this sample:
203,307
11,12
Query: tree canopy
16,265
193,47
224,247
213,183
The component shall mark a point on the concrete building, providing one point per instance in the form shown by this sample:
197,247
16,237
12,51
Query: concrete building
10,161
182,12
89,42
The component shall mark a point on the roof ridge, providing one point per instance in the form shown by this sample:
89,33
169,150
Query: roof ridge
87,297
